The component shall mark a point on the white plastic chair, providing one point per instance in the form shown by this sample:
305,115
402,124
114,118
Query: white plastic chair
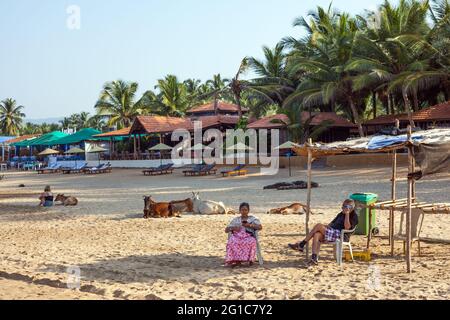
339,245
258,248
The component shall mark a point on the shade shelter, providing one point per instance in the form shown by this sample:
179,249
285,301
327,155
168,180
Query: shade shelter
161,147
417,144
4,145
79,137
288,145
97,150
113,136
48,152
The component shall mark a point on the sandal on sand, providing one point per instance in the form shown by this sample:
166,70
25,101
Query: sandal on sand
295,246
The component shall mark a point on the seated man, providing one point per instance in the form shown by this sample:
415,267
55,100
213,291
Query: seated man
346,220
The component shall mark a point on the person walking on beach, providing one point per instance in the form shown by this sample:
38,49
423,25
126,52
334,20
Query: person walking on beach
241,246
46,197
346,220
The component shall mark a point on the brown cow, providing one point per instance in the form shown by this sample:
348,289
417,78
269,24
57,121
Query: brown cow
181,206
66,201
296,208
157,210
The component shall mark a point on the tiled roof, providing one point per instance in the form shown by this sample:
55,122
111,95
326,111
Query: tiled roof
22,138
117,133
266,123
319,117
440,112
211,121
222,106
159,124
435,113
386,119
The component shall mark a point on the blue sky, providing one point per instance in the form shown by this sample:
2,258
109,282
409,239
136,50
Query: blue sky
54,71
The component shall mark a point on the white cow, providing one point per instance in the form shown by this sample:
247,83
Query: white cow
207,206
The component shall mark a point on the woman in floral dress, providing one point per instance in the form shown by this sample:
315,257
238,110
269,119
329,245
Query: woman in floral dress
241,246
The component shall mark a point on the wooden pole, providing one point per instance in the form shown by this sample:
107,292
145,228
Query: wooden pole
394,197
308,199
134,145
408,213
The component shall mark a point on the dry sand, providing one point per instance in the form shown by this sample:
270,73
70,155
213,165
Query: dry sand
122,256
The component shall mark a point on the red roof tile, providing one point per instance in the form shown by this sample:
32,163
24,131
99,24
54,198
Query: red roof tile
222,106
440,112
117,133
319,117
436,113
211,121
159,124
266,123
22,138
386,119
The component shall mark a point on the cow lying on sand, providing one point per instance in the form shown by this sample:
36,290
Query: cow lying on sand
66,201
182,206
296,208
154,209
208,207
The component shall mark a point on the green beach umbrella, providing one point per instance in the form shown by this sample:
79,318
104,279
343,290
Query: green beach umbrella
97,150
240,147
48,152
288,145
161,147
74,151
199,147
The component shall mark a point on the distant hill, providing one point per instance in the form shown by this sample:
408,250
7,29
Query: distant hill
44,120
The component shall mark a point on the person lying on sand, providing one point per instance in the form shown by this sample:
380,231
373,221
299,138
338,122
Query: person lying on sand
46,197
241,246
346,220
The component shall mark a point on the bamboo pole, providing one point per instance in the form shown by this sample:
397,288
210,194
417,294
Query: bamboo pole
409,209
394,196
308,199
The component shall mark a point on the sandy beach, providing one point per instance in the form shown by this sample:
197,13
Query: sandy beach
122,256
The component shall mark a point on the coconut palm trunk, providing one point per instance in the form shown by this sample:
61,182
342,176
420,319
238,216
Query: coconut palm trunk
356,116
408,108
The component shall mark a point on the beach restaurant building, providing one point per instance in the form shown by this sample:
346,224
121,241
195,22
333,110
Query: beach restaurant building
437,116
337,129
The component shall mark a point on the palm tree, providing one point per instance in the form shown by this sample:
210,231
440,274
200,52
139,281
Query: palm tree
274,84
65,123
384,56
96,122
117,100
83,118
30,128
320,60
172,98
11,117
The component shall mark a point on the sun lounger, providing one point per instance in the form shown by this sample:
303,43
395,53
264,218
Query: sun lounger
196,170
162,169
77,169
208,170
238,171
53,168
103,168
201,170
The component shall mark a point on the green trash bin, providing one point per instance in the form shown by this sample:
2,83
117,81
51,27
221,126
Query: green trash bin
361,200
